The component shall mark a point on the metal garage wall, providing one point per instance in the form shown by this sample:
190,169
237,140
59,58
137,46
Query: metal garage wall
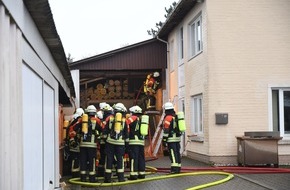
11,154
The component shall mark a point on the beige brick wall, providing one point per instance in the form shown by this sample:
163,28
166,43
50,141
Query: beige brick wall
246,47
249,45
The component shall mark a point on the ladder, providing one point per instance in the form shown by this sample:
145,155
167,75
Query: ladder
157,138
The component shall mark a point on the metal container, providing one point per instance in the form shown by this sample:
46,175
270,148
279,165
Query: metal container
258,148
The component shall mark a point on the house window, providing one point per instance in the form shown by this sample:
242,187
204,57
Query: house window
181,79
171,56
180,45
195,36
197,126
281,111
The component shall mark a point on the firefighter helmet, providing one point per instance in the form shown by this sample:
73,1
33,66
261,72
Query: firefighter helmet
107,107
168,106
91,109
79,112
120,107
102,105
135,109
155,74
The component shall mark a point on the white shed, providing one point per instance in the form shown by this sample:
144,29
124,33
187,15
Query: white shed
34,81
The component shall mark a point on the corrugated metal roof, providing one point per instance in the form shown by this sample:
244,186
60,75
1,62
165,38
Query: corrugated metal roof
41,13
180,11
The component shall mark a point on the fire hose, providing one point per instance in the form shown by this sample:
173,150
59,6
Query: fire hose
191,171
152,170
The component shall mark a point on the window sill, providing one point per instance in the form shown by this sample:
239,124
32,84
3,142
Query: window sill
195,138
284,142
192,57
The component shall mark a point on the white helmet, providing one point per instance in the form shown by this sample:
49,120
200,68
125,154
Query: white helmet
106,107
102,105
91,109
120,107
100,114
79,112
168,106
155,74
135,109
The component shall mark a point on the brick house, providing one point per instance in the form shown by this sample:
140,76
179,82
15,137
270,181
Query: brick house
229,59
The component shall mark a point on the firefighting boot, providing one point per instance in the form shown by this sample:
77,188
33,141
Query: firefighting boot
178,169
83,177
121,177
174,170
101,172
141,176
133,177
92,178
107,177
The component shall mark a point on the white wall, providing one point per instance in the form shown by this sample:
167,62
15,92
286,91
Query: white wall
11,152
29,80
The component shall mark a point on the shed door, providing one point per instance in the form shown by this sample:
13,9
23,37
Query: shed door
38,132
48,137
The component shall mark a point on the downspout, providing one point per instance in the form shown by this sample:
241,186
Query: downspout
165,99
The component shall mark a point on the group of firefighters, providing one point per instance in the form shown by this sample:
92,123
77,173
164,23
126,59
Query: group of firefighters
109,134
100,140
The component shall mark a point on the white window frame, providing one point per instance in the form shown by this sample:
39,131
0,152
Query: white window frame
281,110
197,115
180,45
195,36
171,56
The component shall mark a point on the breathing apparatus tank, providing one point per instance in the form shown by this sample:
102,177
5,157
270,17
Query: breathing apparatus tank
144,125
85,120
118,123
181,122
65,125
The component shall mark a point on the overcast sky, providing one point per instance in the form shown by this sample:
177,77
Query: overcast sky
91,27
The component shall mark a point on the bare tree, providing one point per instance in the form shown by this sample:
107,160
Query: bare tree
159,24
69,58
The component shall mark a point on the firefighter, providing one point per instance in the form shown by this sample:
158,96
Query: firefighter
172,137
150,87
107,117
73,141
151,83
91,125
136,144
116,142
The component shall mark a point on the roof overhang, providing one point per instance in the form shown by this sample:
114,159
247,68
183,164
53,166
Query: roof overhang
182,8
41,14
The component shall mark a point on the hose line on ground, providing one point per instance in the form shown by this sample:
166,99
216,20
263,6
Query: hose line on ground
151,170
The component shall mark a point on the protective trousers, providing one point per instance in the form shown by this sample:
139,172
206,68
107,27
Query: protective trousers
137,162
112,152
88,163
175,157
75,164
101,167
